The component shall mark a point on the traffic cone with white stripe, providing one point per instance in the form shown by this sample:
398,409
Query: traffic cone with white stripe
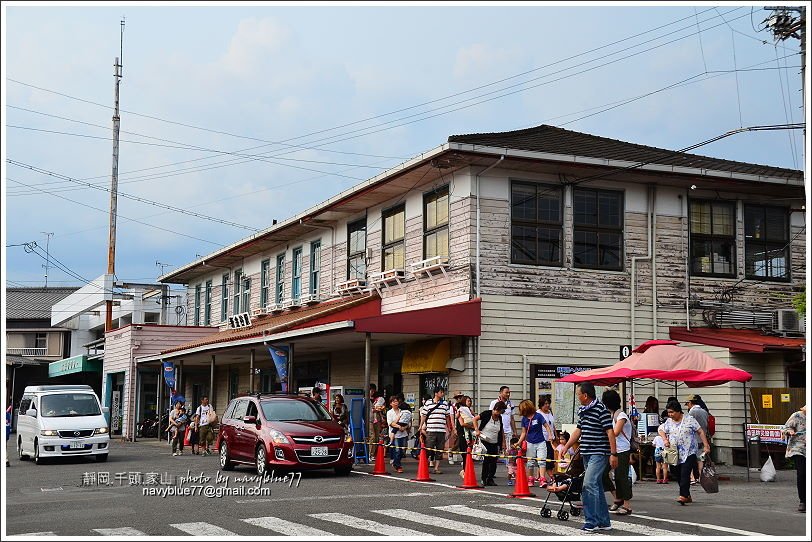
469,481
380,459
522,487
423,465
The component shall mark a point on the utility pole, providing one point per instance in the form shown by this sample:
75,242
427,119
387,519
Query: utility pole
783,25
111,245
47,265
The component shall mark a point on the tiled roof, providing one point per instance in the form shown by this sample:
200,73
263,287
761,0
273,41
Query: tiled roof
34,303
266,324
551,139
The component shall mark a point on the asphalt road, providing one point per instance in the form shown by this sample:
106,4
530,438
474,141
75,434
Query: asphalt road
51,499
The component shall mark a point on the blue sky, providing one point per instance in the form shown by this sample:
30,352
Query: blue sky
199,76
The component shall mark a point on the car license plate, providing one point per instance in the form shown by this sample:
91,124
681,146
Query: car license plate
75,444
318,450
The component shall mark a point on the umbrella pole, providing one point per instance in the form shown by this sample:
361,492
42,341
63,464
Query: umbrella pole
746,444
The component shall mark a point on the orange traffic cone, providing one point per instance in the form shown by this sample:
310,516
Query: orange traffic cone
522,488
423,465
469,481
380,459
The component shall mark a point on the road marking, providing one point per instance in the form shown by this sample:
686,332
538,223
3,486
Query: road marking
44,489
329,497
706,526
286,527
368,525
460,526
622,525
545,527
121,531
201,528
41,533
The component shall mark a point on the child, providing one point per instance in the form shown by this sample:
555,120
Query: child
194,432
661,469
562,456
511,454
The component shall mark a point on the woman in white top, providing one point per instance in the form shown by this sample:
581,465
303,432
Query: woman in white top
399,420
623,434
549,433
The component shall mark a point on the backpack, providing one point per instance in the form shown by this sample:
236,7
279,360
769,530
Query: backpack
711,425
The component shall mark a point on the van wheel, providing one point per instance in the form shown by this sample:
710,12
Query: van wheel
37,459
20,454
101,458
262,460
225,462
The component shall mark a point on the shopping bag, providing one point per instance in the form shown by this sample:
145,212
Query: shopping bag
708,478
478,450
187,438
768,471
670,456
632,474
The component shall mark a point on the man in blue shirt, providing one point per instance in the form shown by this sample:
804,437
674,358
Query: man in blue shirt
597,443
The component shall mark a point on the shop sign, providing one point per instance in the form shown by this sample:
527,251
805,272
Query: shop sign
766,401
115,411
767,432
785,398
238,321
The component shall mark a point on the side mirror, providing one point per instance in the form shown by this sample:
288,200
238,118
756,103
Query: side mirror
249,419
31,412
105,410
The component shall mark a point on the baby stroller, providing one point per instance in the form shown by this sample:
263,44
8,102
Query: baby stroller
570,483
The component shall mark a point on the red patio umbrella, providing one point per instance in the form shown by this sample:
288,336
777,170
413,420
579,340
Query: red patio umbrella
664,360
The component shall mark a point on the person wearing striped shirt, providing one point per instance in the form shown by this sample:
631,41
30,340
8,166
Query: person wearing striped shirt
597,443
435,422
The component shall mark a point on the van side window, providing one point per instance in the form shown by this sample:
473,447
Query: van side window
239,410
25,404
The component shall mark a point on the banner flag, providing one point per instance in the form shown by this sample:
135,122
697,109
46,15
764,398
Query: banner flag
279,354
169,374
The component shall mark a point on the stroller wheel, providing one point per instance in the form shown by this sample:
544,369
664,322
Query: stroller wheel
563,515
546,512
575,511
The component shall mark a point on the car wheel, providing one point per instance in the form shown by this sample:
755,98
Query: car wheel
262,460
343,471
101,458
37,459
20,454
225,462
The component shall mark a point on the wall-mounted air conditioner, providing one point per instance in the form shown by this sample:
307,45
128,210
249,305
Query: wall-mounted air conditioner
788,321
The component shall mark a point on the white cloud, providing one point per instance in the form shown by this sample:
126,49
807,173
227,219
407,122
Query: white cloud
479,58
251,47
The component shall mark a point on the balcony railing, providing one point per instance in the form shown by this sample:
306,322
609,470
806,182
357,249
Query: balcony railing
27,351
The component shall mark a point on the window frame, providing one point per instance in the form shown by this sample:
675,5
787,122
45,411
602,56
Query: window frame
353,227
224,298
279,286
786,242
434,195
599,229
44,337
264,281
315,266
537,223
296,272
236,293
198,289
245,292
711,237
207,303
400,241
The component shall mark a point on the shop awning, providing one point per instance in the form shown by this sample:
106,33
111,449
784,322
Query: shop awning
460,319
737,340
426,356
76,364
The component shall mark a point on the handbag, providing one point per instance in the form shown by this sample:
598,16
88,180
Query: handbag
212,417
670,455
478,450
708,478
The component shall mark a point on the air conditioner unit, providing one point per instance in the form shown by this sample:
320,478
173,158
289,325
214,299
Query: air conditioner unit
787,321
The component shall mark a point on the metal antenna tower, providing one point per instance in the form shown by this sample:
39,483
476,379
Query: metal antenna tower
162,266
111,245
47,265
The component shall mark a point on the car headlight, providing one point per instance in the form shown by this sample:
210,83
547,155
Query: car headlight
278,438
49,433
100,431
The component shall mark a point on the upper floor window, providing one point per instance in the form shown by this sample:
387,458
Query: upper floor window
41,340
597,229
435,223
246,293
766,242
535,224
315,266
207,305
197,305
224,298
296,271
713,238
237,282
280,278
264,282
357,250
394,233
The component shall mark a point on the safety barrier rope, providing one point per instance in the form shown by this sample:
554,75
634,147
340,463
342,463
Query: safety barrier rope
458,452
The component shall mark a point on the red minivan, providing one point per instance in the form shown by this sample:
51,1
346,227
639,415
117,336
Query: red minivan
283,432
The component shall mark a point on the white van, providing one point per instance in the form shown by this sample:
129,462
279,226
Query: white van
61,421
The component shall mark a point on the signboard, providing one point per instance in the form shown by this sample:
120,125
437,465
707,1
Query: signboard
76,364
785,397
625,351
767,432
410,398
766,401
169,374
115,412
279,353
238,321
543,382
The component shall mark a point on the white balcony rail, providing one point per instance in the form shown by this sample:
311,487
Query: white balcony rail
27,351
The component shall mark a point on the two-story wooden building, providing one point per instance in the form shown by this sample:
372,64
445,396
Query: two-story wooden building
505,259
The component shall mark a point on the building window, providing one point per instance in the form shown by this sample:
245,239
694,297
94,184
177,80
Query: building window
713,238
535,224
280,277
246,293
197,305
597,229
296,282
766,242
41,340
315,266
207,309
435,224
394,233
236,283
264,282
224,298
357,250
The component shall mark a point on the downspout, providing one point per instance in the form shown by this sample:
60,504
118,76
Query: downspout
635,259
478,364
685,250
525,383
332,250
653,265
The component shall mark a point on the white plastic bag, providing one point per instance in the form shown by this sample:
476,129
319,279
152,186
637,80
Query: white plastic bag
768,471
477,451
632,474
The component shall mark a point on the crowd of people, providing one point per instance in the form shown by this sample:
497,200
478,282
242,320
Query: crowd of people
193,429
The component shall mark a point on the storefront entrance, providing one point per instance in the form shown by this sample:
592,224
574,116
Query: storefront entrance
390,379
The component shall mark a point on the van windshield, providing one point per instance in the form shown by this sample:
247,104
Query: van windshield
63,405
294,411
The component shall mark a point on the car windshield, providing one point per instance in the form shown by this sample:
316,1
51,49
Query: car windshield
294,411
63,405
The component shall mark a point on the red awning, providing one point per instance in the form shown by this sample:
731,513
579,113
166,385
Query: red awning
460,319
737,340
